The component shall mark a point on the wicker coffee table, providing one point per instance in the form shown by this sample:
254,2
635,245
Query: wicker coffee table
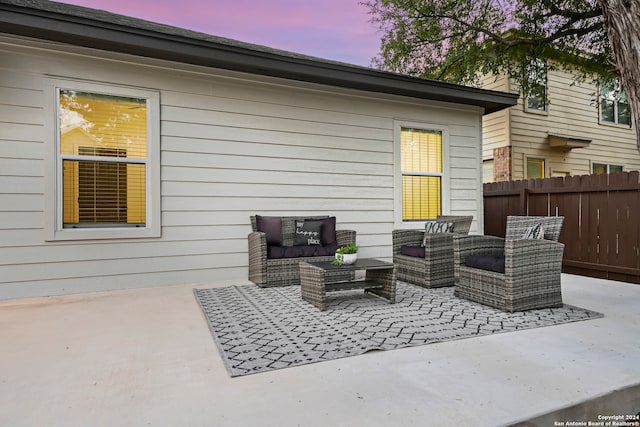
380,279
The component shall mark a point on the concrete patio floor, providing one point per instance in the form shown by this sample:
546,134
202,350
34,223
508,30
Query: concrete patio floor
145,357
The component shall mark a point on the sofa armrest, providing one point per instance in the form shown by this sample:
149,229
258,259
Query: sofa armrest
527,256
406,238
345,237
257,257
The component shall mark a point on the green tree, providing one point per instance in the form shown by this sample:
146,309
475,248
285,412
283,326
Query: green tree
460,40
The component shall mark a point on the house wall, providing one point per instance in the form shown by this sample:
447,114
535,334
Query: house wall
232,145
495,126
572,112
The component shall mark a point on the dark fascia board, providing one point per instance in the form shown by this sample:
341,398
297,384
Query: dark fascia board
117,33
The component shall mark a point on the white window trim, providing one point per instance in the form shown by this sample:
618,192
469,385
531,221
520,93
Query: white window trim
397,170
54,230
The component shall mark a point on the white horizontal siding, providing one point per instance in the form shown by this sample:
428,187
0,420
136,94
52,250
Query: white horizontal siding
232,146
346,165
495,132
495,126
196,175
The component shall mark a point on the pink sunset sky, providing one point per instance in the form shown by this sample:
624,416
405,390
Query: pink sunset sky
332,29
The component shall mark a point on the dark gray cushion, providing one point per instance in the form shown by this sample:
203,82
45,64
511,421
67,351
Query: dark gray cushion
293,251
414,251
309,250
326,250
277,252
486,262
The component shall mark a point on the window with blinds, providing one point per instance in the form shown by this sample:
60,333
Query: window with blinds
421,165
103,158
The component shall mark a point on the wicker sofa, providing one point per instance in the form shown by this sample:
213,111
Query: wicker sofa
516,273
427,259
274,258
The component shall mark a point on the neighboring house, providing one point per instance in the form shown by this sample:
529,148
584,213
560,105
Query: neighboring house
132,154
580,129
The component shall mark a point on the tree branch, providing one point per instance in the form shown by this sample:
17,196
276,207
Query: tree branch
572,15
574,32
467,25
512,42
448,67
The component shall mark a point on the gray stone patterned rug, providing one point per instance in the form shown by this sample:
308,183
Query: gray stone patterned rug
257,330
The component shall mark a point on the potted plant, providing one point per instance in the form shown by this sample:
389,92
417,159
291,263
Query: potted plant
346,255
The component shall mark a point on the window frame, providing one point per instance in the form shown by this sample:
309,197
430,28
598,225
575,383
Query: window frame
607,167
54,227
545,165
617,87
444,176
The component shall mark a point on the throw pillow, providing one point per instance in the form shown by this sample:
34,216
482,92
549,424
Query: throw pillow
431,227
308,233
272,227
534,232
329,231
438,227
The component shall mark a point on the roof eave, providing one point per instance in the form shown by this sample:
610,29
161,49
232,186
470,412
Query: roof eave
116,37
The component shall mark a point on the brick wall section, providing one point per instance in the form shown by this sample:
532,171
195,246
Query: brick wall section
502,164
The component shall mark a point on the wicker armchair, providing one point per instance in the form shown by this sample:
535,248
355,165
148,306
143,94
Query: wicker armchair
531,269
436,268
268,272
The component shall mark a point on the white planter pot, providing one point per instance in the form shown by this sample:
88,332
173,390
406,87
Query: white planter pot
347,259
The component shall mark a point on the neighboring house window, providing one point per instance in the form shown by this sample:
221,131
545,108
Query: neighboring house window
422,173
614,107
605,168
107,162
487,171
535,168
537,86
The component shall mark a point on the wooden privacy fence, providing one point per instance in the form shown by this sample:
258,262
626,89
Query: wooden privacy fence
601,230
